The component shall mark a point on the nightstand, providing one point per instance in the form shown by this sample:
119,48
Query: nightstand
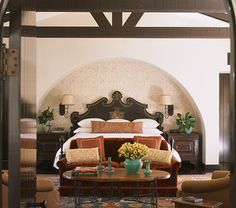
188,146
47,146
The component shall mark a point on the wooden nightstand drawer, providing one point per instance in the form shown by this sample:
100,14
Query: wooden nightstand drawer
188,146
47,146
183,146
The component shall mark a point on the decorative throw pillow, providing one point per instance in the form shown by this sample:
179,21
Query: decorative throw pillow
28,157
161,156
116,127
151,141
82,155
91,143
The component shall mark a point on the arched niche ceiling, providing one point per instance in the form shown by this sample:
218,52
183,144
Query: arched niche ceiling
133,78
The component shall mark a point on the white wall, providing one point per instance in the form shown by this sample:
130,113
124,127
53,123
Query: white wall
195,63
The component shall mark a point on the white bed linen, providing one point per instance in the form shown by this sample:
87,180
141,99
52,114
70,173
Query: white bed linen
28,136
66,145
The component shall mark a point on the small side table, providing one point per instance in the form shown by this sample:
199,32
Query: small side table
180,203
47,146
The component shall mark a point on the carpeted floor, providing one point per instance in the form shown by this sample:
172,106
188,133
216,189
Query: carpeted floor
163,202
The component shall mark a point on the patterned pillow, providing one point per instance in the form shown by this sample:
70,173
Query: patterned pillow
82,155
116,127
151,141
161,156
91,143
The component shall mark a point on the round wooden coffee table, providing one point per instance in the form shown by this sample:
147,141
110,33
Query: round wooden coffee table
115,180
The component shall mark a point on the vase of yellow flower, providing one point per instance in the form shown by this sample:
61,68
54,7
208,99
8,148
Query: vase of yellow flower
133,153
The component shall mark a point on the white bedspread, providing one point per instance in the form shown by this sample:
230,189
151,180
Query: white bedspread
66,145
28,135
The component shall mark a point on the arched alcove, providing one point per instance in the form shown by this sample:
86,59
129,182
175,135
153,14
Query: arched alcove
134,78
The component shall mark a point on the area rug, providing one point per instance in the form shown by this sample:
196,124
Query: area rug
163,202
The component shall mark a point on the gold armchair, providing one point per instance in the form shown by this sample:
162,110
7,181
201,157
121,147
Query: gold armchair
45,190
216,189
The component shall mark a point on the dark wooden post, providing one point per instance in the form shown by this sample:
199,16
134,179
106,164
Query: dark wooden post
231,8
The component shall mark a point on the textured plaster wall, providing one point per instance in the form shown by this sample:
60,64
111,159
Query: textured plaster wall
133,78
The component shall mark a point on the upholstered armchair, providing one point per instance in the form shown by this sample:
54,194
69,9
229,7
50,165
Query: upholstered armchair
216,189
45,190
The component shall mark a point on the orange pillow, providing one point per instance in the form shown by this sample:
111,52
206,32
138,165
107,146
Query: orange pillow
91,143
116,127
151,141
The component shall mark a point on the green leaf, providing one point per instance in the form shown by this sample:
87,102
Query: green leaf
45,116
187,121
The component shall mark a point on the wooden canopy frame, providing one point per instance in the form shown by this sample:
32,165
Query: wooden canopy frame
213,8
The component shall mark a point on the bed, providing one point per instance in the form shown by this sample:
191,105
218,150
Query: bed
130,111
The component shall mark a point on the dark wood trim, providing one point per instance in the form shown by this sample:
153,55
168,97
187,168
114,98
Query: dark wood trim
6,17
133,19
3,132
113,32
117,19
3,7
137,32
12,93
101,19
224,130
222,17
216,6
231,9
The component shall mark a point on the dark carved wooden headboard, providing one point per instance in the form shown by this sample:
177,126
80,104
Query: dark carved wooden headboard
130,109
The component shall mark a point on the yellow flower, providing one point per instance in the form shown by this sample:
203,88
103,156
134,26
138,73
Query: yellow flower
132,151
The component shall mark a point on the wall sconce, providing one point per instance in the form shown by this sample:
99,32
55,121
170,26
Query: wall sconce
64,105
169,107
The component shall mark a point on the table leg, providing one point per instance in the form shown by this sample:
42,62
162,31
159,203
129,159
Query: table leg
111,191
76,193
155,193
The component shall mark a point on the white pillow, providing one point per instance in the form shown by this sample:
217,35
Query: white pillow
86,123
152,131
83,130
147,122
118,120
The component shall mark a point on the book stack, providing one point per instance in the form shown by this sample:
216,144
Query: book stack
192,199
84,171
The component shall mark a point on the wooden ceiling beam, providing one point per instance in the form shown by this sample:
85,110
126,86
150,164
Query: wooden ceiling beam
205,6
219,16
116,19
101,19
116,32
133,19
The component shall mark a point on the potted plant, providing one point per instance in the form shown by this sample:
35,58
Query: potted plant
185,123
133,153
46,116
